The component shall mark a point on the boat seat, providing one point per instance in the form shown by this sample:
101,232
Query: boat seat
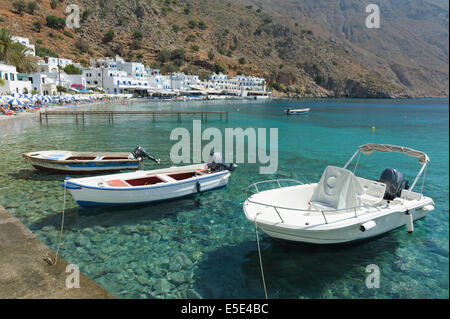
200,171
117,183
373,191
166,178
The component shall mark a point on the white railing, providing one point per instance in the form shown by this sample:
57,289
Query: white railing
277,207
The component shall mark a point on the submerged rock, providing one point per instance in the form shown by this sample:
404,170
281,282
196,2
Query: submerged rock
128,230
162,286
143,280
48,228
193,294
82,240
180,260
99,229
177,278
154,237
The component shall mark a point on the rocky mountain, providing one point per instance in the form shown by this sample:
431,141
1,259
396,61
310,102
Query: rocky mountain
302,47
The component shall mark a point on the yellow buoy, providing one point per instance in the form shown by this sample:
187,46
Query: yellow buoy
373,128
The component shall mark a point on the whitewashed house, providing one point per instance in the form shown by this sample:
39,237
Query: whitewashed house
42,84
25,42
11,82
50,64
69,81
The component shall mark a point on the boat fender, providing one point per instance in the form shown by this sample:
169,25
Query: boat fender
199,187
367,226
409,222
428,208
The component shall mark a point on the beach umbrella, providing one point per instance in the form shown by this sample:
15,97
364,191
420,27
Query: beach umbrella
16,95
15,102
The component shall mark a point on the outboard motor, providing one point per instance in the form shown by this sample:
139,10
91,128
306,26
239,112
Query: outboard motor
139,152
215,163
394,183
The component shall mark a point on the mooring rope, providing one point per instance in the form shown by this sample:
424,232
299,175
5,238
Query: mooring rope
260,259
48,258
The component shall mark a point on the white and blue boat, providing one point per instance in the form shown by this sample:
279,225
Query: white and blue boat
143,187
297,111
70,162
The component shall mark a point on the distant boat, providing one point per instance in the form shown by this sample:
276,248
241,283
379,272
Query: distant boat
142,187
87,162
297,111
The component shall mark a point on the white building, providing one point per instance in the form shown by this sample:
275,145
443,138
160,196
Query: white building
241,84
251,83
50,64
69,81
116,76
119,84
25,42
94,76
12,84
42,84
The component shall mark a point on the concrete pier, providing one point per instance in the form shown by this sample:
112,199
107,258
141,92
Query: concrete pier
25,274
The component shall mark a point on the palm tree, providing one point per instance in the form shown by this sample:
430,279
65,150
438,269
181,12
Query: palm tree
6,44
21,60
15,53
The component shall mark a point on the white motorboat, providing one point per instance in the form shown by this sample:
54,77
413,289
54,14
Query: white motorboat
143,187
341,207
297,111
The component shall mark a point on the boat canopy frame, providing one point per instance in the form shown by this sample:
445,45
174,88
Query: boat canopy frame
369,148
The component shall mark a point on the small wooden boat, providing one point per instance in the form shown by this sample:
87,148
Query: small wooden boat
142,187
86,162
297,111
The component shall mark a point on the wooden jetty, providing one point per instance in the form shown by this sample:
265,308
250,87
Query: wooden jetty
111,115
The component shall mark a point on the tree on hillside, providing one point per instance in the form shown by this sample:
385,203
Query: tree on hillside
55,22
219,68
31,7
211,55
15,53
163,56
37,26
177,56
72,69
109,36
19,6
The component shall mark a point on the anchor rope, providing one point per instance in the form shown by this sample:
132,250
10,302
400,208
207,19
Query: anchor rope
54,262
260,259
423,180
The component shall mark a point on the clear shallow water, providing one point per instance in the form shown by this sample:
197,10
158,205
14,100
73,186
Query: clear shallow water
203,245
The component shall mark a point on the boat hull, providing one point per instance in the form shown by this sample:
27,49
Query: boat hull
97,196
82,166
297,112
63,169
350,233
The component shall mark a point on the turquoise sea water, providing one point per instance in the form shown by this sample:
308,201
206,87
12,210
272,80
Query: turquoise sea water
203,245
